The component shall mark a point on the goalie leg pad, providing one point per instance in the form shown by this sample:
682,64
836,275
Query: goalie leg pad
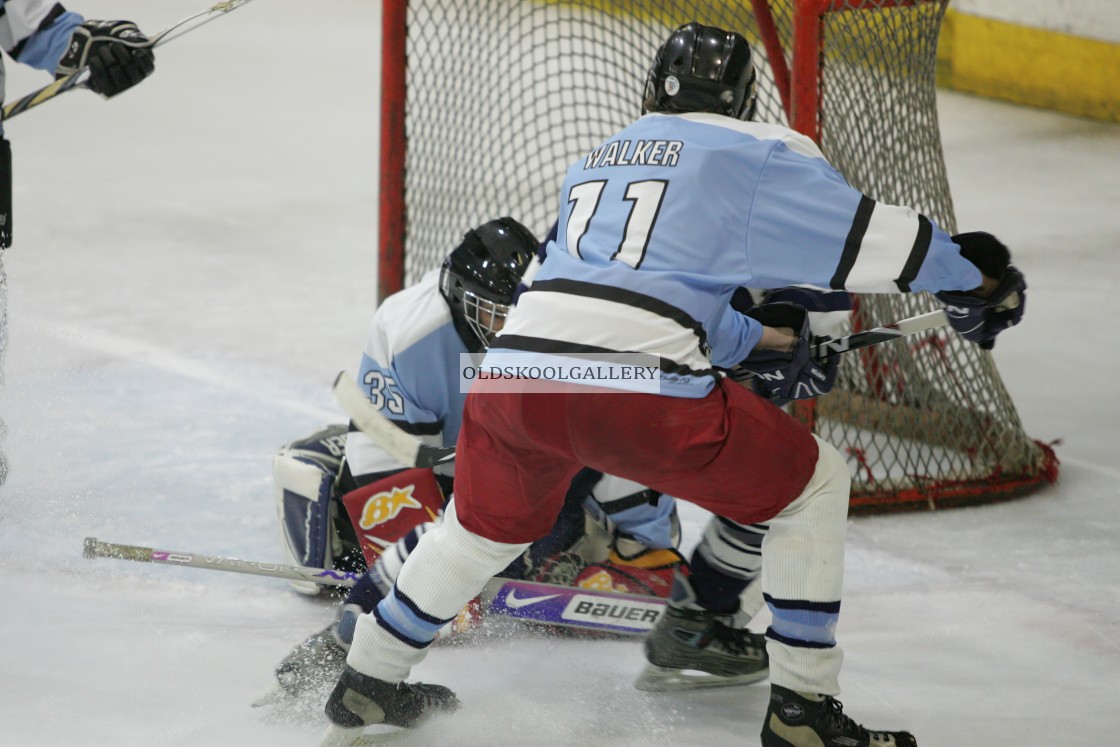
304,475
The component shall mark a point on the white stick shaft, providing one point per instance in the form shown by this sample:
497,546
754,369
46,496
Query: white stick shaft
95,548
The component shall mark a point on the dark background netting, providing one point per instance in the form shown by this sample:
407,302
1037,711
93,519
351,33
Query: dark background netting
502,95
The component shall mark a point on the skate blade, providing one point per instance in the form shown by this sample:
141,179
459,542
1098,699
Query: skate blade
338,736
272,696
662,679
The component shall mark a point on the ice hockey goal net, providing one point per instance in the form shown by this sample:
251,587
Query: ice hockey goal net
486,102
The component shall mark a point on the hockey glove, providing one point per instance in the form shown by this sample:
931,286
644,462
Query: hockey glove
788,375
118,55
980,319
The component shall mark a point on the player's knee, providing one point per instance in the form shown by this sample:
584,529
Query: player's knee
826,494
454,538
832,483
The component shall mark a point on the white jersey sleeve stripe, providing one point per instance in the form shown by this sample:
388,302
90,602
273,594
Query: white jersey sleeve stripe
883,259
917,254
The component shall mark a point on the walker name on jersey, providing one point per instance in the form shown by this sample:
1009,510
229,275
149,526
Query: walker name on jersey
634,153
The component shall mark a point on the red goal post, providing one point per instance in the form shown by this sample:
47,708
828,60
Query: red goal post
485,103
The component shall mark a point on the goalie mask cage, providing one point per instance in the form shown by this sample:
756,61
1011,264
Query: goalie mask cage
485,103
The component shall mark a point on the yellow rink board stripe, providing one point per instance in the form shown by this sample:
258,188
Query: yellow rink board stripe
1030,66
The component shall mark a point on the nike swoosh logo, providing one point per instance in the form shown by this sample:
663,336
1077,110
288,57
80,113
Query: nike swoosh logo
514,603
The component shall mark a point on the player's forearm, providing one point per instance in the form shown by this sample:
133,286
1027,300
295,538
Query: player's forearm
781,339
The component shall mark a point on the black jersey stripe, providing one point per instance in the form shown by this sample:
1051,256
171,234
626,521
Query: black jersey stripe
917,254
853,243
546,345
626,297
416,429
564,347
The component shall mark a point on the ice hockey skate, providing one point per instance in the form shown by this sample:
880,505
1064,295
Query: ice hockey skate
359,701
691,648
312,667
801,720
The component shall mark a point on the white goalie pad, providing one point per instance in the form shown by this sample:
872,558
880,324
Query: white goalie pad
304,491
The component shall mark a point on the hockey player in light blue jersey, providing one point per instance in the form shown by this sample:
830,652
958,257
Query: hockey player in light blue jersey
659,225
44,35
410,367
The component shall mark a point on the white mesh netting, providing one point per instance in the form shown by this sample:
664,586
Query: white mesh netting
502,95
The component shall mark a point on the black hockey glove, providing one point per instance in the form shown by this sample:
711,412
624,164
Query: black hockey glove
793,375
979,319
118,55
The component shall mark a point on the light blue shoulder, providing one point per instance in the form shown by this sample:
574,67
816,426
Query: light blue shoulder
407,318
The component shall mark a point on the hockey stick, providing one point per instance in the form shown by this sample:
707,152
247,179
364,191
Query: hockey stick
80,78
904,328
545,604
411,451
404,447
95,548
868,337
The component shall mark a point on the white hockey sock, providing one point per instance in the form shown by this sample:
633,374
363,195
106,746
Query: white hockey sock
389,565
802,577
448,568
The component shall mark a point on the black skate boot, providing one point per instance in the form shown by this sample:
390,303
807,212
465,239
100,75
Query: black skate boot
359,701
801,720
693,647
696,648
312,667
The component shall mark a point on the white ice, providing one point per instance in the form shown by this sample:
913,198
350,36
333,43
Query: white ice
195,260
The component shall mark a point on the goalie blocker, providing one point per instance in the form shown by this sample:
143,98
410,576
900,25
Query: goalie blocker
321,528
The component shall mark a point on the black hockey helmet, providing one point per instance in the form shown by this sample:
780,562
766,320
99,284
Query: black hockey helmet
480,276
702,69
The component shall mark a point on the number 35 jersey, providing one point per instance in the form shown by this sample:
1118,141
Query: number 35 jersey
410,371
661,223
